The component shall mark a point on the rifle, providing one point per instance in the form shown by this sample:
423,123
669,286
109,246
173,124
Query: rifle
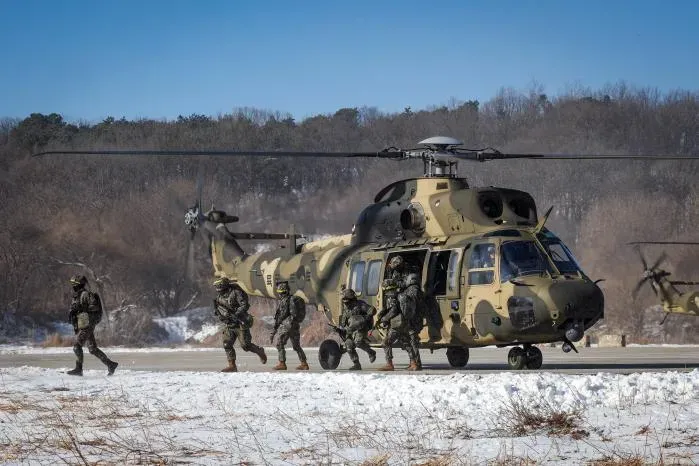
341,331
231,318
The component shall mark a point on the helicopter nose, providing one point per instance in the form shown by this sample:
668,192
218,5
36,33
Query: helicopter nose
579,304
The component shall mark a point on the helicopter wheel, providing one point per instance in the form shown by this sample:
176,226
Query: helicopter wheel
329,354
517,358
534,357
457,356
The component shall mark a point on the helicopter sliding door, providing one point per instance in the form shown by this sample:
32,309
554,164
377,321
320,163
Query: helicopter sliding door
483,291
442,291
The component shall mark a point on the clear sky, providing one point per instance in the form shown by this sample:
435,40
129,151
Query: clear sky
89,59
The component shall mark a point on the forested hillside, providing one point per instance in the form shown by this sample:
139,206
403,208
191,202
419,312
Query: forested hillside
119,220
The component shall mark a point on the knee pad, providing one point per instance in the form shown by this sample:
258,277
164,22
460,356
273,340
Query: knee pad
350,344
77,349
92,349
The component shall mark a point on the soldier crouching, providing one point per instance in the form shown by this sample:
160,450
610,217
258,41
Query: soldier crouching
356,320
231,307
85,313
290,312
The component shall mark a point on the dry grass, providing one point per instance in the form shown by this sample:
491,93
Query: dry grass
526,417
630,460
55,340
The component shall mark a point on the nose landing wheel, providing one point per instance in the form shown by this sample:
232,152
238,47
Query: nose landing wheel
529,357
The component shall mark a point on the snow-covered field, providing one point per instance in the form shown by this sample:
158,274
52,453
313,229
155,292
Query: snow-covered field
346,418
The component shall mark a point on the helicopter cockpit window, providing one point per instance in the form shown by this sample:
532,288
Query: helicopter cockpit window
481,267
519,258
562,257
373,279
357,277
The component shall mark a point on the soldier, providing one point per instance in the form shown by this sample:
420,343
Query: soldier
413,306
290,312
231,307
355,321
397,270
391,317
85,314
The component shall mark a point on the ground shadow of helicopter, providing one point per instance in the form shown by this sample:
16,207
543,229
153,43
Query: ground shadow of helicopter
673,299
495,275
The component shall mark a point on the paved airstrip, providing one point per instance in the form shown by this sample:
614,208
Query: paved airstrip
482,360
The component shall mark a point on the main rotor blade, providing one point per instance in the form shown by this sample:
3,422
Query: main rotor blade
686,243
256,236
683,283
660,260
390,154
643,259
486,156
638,287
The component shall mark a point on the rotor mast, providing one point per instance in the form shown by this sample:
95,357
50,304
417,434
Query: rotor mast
434,167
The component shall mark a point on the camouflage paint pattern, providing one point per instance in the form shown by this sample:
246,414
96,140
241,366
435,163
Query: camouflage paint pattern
430,214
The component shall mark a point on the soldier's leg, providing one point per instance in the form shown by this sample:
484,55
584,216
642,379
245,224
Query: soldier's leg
295,335
94,350
388,343
351,350
247,345
414,343
361,342
229,337
281,342
80,340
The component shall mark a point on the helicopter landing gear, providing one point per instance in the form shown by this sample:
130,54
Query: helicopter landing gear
516,358
529,357
329,354
457,356
534,357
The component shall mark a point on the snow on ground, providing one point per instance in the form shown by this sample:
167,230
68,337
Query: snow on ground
28,349
346,418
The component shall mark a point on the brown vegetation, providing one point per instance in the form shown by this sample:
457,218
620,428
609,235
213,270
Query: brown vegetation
119,219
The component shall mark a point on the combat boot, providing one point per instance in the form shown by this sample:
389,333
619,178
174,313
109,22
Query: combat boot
77,371
303,366
372,356
262,355
231,367
412,366
281,366
387,367
356,366
111,367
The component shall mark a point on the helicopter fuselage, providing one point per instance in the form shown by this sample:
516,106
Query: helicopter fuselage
491,274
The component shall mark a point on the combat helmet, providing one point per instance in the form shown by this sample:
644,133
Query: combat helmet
412,279
78,281
396,262
348,294
222,283
283,288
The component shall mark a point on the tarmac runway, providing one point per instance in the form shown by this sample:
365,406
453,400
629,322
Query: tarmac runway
482,360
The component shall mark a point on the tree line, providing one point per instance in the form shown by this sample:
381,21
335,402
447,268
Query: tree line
119,220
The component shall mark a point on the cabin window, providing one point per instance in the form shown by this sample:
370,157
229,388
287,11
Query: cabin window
453,272
357,277
373,278
481,266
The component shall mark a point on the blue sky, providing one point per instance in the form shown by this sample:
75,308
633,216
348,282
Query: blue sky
158,59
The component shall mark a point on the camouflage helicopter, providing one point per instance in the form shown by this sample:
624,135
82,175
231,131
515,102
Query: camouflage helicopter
673,300
491,269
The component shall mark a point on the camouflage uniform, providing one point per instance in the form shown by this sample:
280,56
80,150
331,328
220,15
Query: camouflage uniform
356,320
290,312
85,314
397,271
413,305
392,317
231,307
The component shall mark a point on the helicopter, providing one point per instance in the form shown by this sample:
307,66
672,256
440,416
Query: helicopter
492,272
673,300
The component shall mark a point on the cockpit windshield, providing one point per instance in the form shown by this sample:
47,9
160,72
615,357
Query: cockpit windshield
519,258
560,254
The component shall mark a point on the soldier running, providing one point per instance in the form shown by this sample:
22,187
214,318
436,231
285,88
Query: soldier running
231,307
291,310
355,321
85,313
392,318
412,304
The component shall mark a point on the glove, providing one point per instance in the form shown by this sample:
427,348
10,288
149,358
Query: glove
271,337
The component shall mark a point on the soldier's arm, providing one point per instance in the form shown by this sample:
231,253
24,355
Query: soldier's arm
297,307
241,298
